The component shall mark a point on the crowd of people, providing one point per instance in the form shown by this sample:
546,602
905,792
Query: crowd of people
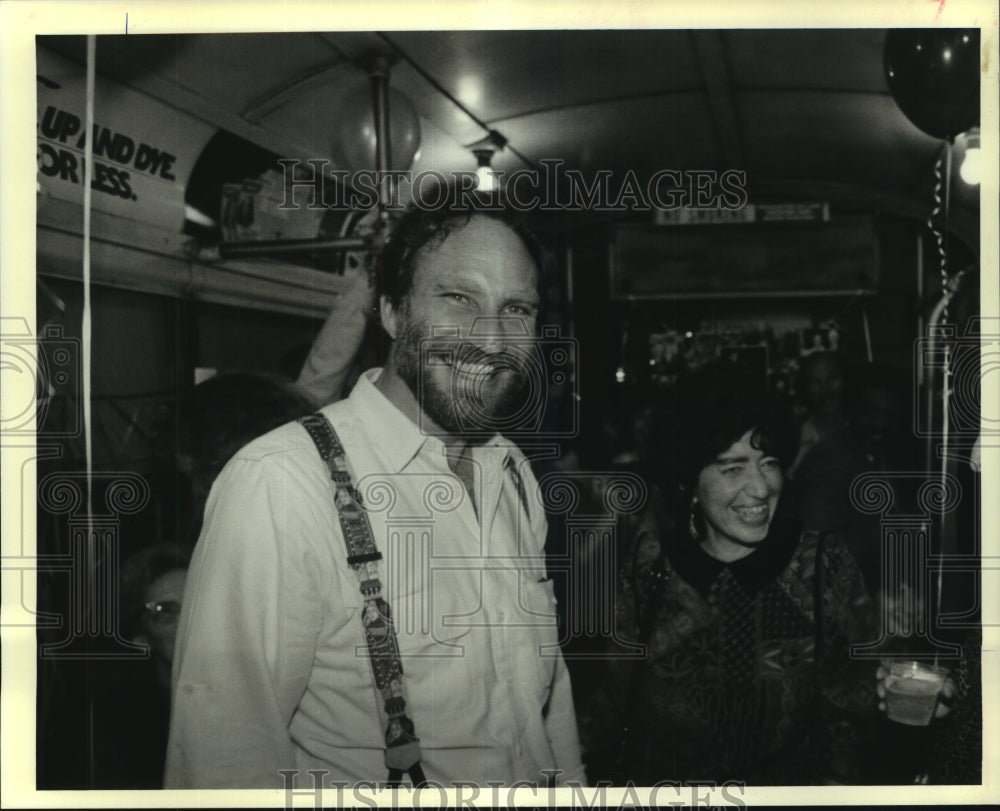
369,594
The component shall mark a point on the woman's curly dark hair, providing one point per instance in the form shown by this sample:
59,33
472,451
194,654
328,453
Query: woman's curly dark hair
715,406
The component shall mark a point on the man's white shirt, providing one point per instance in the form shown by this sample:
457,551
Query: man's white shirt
271,672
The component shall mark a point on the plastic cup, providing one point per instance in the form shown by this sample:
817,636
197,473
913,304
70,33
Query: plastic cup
911,691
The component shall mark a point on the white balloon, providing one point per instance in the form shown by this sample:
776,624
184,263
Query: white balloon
354,137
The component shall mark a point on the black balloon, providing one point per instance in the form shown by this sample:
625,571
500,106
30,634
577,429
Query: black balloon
933,74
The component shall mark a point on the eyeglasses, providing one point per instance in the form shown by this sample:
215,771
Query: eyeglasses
167,611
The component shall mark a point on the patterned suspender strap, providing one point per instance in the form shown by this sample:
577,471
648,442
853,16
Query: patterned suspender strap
402,746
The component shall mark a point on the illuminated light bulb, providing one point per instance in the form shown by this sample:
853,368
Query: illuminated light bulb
487,179
484,149
620,375
971,169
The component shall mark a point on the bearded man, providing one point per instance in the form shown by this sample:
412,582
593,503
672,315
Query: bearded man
444,664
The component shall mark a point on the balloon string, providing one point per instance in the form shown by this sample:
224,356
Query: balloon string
942,180
932,225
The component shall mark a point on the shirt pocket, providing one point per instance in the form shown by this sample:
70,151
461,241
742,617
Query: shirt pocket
428,614
432,650
431,639
442,675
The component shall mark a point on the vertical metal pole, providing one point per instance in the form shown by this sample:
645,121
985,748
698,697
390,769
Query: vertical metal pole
920,302
91,554
383,145
570,304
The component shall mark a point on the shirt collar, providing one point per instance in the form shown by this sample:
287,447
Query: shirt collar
764,565
396,434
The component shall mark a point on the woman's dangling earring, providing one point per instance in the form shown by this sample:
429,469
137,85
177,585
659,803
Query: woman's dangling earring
692,526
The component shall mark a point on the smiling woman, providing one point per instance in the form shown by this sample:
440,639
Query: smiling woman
747,621
737,495
732,445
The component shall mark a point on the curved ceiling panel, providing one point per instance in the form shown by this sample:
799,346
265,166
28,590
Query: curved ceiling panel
793,107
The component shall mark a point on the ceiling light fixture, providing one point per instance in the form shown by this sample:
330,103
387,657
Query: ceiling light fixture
484,150
487,182
971,169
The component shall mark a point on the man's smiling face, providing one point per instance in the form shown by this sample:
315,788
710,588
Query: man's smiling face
478,289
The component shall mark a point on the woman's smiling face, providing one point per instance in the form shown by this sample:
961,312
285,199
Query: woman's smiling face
738,493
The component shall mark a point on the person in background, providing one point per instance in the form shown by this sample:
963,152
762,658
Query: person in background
746,619
214,420
858,437
340,353
153,591
218,417
822,397
132,697
611,467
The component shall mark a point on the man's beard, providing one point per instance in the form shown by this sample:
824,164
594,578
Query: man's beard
463,403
